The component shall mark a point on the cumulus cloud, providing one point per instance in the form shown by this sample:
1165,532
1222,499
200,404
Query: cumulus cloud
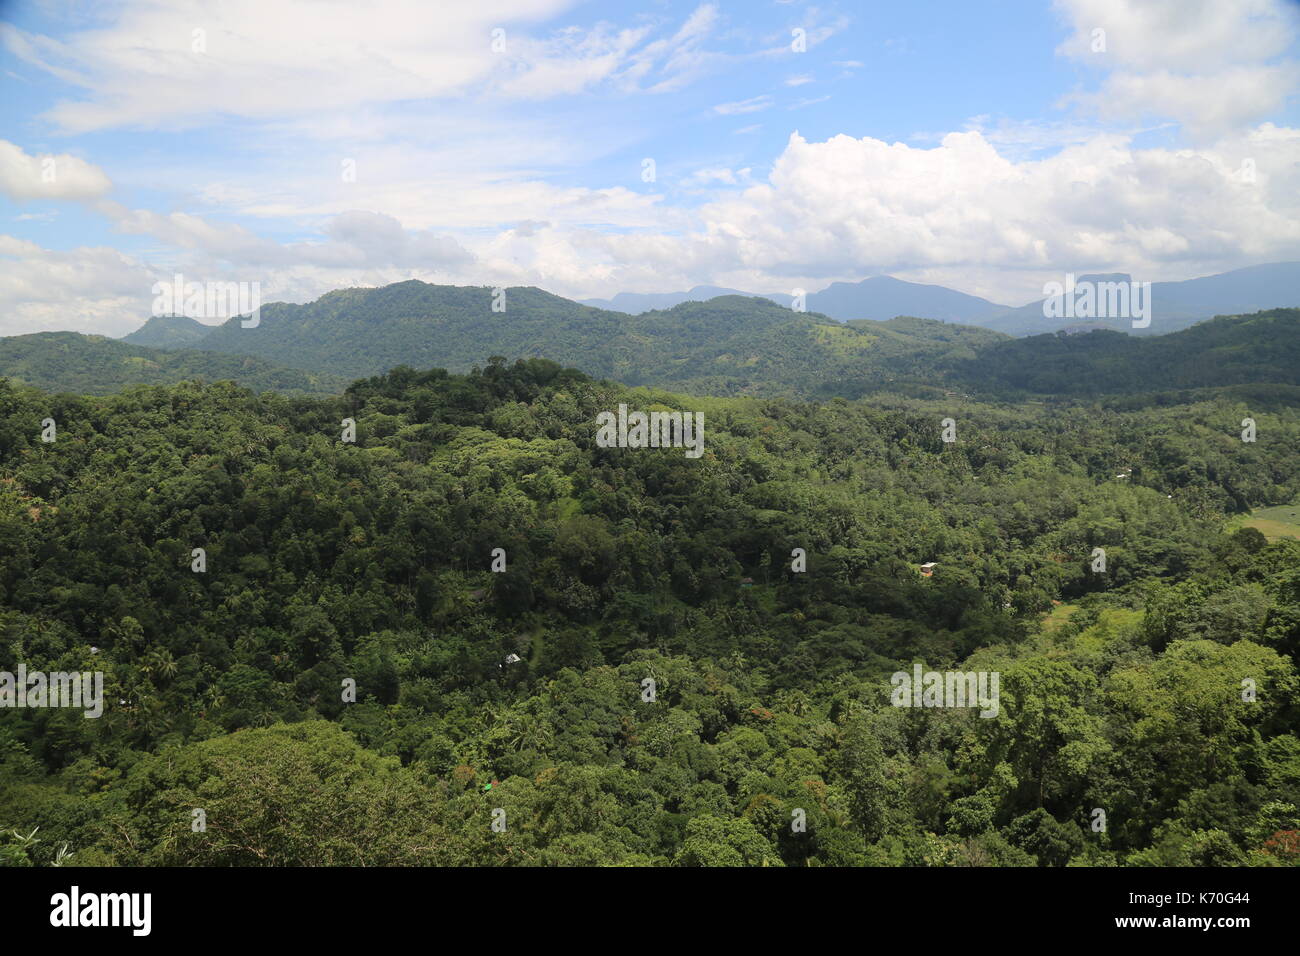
376,239
87,289
960,212
24,176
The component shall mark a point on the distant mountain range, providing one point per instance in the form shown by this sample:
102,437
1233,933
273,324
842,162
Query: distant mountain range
726,345
879,298
1176,305
634,303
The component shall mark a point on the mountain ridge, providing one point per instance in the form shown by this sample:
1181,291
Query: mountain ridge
1177,304
730,345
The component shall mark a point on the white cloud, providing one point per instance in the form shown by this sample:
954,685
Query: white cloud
808,101
174,64
1209,104
24,176
149,66
87,289
456,198
957,213
964,214
682,58
373,239
753,105
1187,36
1204,63
570,61
716,174
462,197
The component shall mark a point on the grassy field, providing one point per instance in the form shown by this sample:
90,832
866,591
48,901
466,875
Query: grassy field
1058,616
1280,521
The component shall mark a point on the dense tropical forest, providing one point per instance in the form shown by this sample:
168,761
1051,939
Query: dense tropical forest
502,717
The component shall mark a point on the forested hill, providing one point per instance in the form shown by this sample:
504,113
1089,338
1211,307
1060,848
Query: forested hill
735,345
169,332
1230,350
525,690
727,345
94,365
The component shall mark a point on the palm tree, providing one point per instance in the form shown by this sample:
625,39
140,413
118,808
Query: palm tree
164,664
213,699
151,718
534,732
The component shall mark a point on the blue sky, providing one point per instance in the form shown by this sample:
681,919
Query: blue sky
988,147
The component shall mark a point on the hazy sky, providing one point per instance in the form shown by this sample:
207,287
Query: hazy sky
306,146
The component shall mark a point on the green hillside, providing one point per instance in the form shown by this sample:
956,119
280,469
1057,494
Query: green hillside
1228,350
737,345
94,365
727,345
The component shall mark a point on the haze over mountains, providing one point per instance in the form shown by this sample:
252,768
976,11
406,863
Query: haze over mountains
634,303
879,297
1176,305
